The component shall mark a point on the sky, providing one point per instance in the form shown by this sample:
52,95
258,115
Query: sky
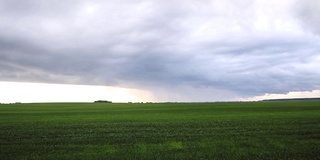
151,50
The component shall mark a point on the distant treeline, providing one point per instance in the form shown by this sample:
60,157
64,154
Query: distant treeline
292,99
102,101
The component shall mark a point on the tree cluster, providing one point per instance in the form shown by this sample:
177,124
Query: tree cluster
102,101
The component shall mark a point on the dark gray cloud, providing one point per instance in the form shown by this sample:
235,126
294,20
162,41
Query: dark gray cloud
180,50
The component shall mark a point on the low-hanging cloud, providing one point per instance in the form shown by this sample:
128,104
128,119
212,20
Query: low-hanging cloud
179,49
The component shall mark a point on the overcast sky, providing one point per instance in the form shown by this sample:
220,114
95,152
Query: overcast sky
176,50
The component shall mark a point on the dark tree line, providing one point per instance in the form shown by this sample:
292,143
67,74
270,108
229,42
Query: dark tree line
102,101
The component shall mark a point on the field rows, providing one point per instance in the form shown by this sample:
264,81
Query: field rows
264,130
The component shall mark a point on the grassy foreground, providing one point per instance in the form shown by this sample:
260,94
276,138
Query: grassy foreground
255,130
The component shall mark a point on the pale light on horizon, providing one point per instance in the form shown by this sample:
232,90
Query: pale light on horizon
296,94
12,92
25,92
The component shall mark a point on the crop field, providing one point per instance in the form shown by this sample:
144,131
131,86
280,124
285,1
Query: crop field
229,130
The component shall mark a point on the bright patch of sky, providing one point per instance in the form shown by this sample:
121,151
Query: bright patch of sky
12,92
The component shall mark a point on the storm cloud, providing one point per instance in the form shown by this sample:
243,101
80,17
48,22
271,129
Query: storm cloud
179,50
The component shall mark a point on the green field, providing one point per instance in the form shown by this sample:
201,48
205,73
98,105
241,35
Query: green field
243,130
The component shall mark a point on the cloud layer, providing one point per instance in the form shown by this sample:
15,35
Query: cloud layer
180,50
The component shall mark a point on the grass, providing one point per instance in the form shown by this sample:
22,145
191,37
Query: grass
244,130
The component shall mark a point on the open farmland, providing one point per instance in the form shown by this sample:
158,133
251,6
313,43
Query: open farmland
243,130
